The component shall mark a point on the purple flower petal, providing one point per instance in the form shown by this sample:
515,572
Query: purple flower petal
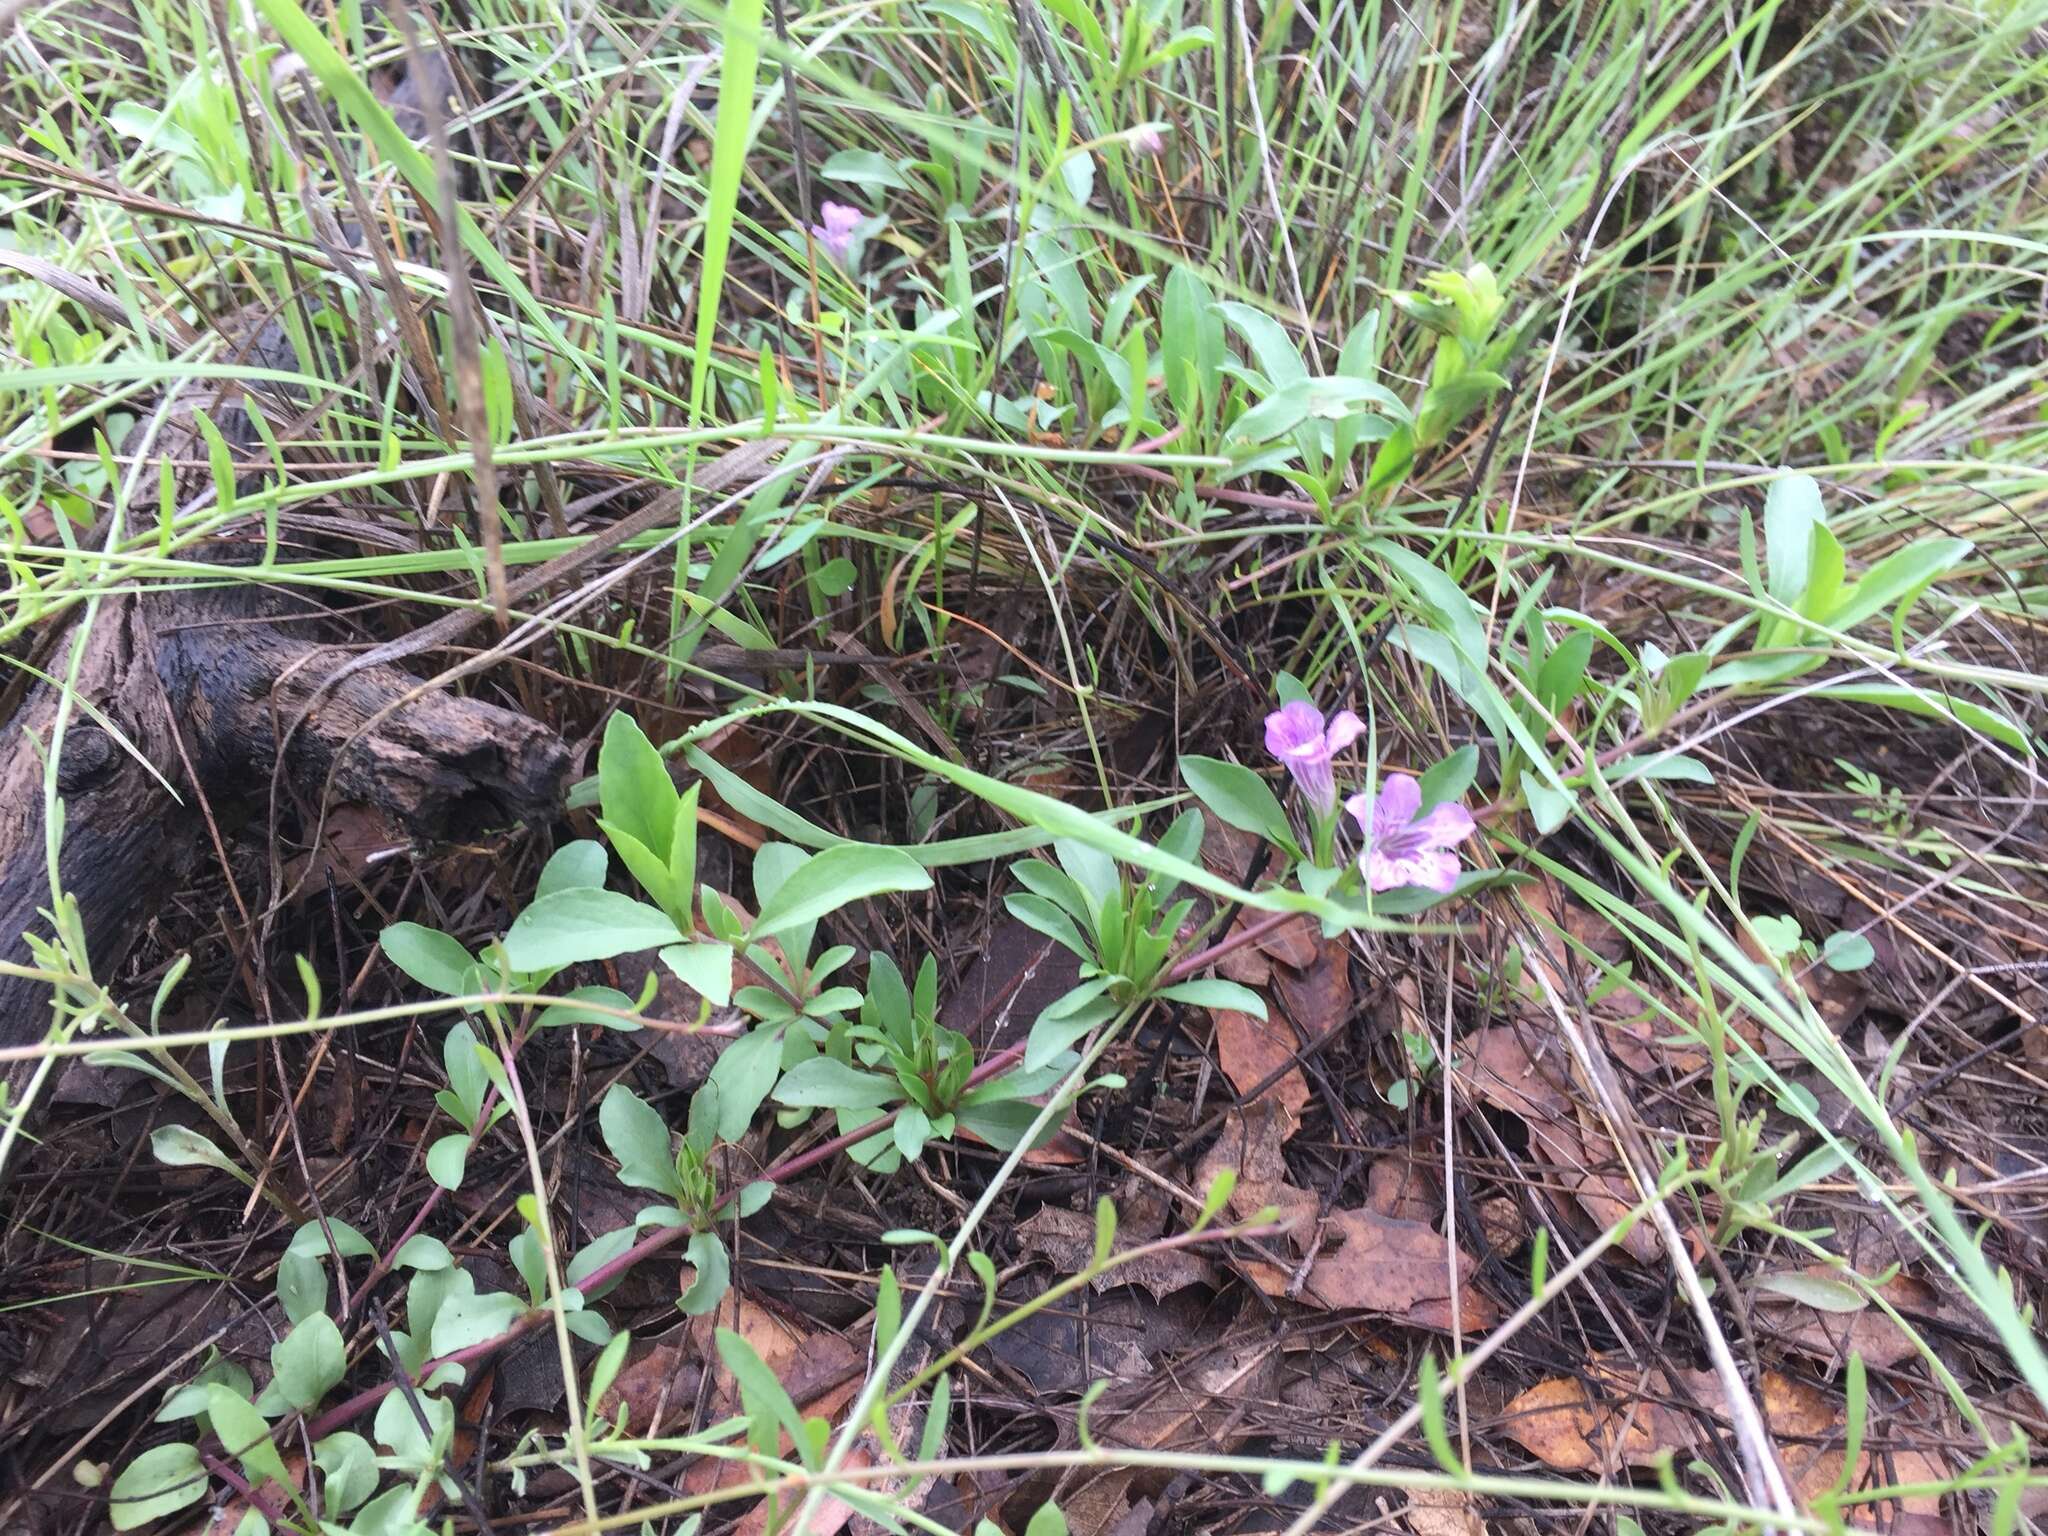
1433,868
1293,728
1345,728
1360,807
835,235
1444,825
1400,798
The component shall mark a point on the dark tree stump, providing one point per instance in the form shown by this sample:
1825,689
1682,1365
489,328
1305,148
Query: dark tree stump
225,674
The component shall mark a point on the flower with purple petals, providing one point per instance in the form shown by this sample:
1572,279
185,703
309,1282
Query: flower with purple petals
836,233
1296,734
1404,848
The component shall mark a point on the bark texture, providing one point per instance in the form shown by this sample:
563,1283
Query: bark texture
224,673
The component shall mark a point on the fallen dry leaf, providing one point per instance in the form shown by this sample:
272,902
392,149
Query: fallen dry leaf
1495,1065
1198,1407
1397,1185
1380,1263
1067,1238
1315,993
1251,1050
651,1386
1631,1417
1832,1337
1442,1512
1250,1143
1563,1426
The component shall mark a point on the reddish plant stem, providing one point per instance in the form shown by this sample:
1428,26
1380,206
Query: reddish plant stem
241,1485
1236,939
347,1412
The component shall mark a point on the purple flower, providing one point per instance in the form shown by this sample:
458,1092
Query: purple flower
836,233
1296,734
1402,848
1146,139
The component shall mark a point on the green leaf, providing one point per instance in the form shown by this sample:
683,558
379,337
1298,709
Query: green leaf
1825,565
592,1257
421,1251
1041,916
1047,1522
742,1077
834,878
1053,1032
466,1076
1933,706
822,1082
1792,509
1671,767
398,1430
1778,935
179,1146
1240,798
1215,992
1844,951
1898,578
1271,348
574,866
762,1394
348,1470
606,1370
682,854
639,1139
1190,368
738,56
714,1274
1563,672
634,787
646,866
243,1432
430,957
704,967
447,1159
1548,808
574,1009
1817,1291
863,168
161,1481
1448,780
301,1285
308,1361
570,927
466,1319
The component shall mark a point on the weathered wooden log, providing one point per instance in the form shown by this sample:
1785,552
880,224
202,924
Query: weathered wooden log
206,685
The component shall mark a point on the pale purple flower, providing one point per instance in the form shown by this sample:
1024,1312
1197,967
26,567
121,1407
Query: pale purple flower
1296,734
836,233
1146,139
1402,848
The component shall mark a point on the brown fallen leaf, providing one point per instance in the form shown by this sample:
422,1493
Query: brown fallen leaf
1630,1416
1197,1405
1067,1238
1494,1064
1442,1512
820,1371
1380,1263
1564,1426
1250,1143
652,1385
1251,1050
1399,1186
1832,1337
1315,992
